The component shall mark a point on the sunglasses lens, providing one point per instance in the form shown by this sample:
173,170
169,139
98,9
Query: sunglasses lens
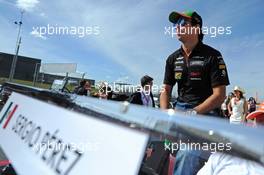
181,22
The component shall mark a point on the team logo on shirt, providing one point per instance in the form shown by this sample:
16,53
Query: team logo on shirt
179,62
178,75
223,74
180,58
197,63
198,57
195,76
178,68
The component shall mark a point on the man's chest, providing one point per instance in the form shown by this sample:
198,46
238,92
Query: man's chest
192,68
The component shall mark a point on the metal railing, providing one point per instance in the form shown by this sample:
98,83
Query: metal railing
247,142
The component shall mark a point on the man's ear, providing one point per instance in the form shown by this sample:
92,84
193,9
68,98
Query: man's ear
197,26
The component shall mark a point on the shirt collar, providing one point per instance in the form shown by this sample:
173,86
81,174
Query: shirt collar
145,93
196,49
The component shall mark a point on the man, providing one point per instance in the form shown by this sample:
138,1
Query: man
200,73
145,96
198,69
83,89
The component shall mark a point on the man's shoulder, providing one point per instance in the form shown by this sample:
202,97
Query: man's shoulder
210,50
173,56
136,94
135,98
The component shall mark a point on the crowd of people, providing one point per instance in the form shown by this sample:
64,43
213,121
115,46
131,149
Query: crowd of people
235,106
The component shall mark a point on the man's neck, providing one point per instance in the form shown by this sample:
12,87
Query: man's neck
189,46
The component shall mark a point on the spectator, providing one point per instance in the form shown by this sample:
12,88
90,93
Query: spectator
238,106
83,89
251,105
145,96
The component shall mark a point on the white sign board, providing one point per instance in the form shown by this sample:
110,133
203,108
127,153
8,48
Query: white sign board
58,67
40,138
58,85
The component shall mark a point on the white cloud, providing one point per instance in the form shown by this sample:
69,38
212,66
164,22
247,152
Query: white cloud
27,5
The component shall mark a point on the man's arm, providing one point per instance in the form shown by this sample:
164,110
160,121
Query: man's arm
165,96
212,102
229,107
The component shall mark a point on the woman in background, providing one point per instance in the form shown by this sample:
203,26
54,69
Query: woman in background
238,106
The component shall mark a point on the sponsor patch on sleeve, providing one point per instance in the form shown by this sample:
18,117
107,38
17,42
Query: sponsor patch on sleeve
222,66
178,75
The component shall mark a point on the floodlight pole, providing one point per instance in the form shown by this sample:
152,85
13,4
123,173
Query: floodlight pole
18,42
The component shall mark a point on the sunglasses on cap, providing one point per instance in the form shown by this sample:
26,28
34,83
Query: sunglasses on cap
182,22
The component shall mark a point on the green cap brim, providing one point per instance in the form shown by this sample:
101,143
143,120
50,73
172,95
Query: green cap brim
175,16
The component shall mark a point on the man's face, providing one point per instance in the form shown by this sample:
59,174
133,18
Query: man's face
87,85
148,86
185,31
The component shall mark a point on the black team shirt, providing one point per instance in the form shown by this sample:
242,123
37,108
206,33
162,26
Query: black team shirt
204,70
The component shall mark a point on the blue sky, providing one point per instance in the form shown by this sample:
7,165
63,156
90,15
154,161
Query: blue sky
132,42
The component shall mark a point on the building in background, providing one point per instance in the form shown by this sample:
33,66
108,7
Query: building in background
25,66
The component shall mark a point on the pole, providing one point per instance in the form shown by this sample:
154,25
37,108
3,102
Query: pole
18,42
35,74
83,76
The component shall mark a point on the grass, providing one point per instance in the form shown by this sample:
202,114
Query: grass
28,83
70,87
